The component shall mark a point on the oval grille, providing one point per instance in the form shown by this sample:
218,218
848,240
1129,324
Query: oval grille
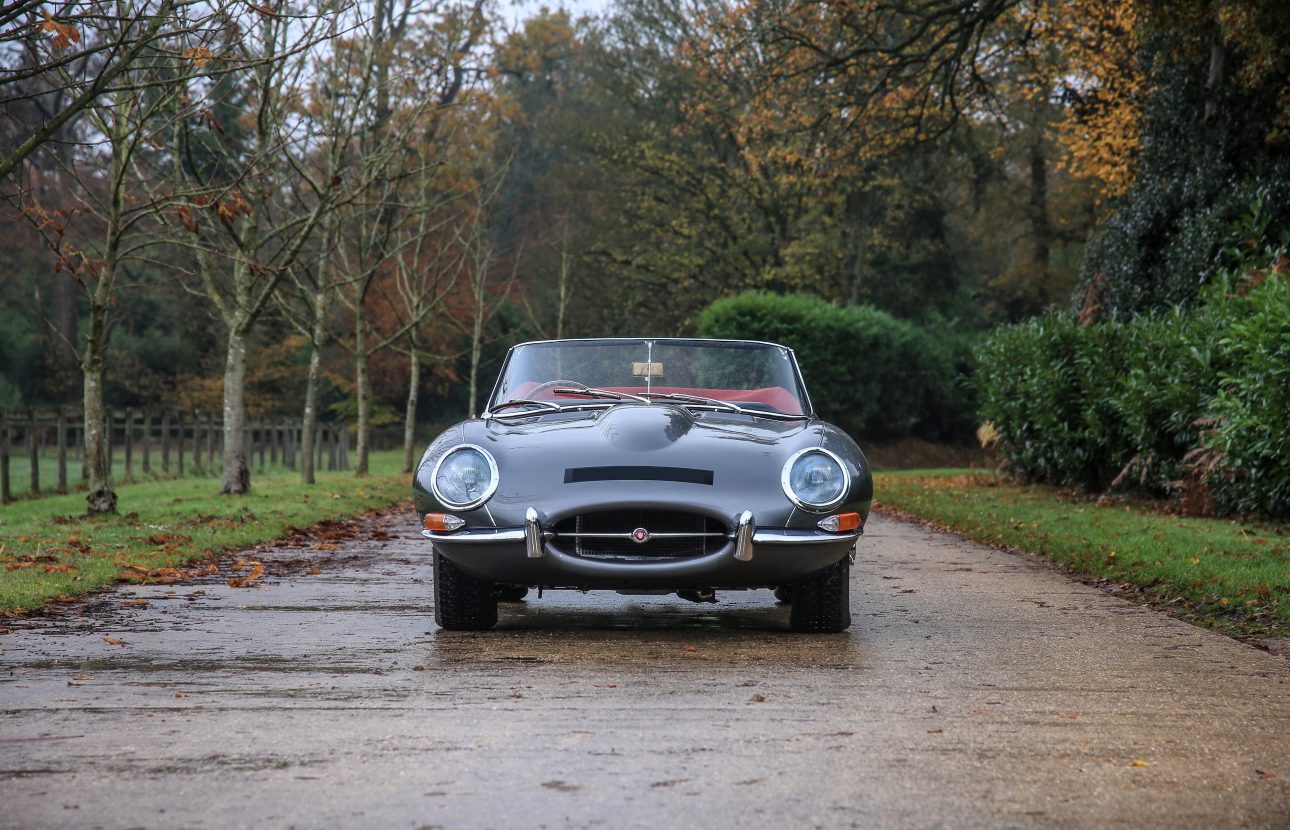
608,534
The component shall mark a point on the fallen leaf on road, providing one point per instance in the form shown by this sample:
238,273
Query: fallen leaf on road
314,571
758,698
935,731
114,641
135,603
690,649
1140,763
257,571
182,694
418,668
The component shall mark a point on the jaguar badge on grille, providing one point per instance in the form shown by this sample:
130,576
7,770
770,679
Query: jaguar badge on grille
639,535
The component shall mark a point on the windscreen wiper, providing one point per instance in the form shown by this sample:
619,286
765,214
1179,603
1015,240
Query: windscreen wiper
594,392
720,404
495,412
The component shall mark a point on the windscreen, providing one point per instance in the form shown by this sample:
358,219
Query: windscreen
752,375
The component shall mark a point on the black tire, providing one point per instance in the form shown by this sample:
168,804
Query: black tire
784,593
511,593
462,602
822,601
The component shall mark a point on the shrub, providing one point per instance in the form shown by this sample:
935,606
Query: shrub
1037,383
867,372
1076,404
1252,403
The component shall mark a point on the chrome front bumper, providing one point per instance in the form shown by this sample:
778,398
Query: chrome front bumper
746,536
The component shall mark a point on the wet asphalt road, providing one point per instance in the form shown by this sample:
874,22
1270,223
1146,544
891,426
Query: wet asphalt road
974,689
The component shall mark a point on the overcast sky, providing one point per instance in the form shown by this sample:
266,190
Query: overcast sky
520,9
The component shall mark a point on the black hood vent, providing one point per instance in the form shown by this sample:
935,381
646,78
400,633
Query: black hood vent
579,475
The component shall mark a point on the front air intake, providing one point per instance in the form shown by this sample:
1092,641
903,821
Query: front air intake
637,535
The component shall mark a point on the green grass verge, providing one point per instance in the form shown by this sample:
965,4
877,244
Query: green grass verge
49,548
1229,575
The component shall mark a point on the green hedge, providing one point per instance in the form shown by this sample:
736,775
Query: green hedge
869,373
1076,404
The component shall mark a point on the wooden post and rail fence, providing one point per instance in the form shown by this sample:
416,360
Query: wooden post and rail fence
152,443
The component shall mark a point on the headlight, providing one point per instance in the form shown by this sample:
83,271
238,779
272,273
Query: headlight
815,479
464,478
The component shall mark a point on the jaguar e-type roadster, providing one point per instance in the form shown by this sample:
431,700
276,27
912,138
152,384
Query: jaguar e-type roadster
644,466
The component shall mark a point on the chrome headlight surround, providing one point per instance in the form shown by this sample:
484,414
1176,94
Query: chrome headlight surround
488,490
785,480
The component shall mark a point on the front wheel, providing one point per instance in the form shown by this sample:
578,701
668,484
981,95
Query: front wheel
462,602
822,601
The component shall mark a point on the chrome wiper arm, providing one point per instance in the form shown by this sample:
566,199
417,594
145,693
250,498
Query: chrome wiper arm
726,405
593,392
681,396
496,411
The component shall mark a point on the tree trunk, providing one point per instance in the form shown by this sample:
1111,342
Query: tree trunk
476,349
237,476
1039,221
1214,81
310,420
101,497
410,417
363,393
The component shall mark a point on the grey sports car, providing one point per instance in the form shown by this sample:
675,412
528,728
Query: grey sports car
644,466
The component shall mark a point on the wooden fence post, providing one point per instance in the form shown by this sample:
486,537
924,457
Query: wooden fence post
165,441
344,446
147,441
6,494
62,450
109,419
210,440
85,461
201,427
129,444
33,452
179,440
333,447
289,450
264,439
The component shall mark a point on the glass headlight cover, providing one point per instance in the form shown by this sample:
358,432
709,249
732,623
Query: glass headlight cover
815,479
464,478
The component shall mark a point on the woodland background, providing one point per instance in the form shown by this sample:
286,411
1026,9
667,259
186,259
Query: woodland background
351,208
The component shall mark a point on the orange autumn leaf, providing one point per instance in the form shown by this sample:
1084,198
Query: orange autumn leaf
199,55
64,34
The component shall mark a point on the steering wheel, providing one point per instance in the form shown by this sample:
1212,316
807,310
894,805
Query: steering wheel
553,384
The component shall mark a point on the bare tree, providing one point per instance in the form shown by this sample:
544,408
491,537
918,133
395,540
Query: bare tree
116,216
265,194
72,54
438,71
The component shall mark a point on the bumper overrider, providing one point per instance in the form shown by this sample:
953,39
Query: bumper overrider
751,557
